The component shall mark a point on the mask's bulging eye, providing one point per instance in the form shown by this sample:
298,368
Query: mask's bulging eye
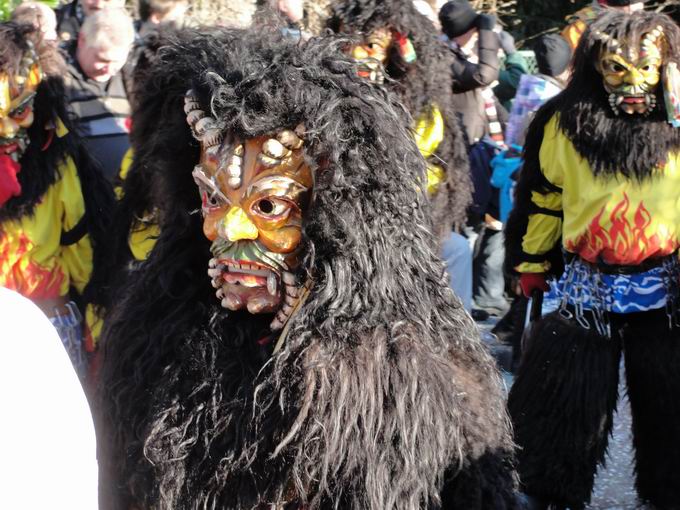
271,207
210,200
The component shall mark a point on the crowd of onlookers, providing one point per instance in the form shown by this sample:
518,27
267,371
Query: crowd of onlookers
496,89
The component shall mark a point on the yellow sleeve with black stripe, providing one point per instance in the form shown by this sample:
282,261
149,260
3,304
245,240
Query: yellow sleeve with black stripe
145,233
429,133
544,228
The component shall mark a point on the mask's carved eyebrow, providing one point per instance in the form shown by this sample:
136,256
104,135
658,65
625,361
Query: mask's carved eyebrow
23,102
209,182
283,182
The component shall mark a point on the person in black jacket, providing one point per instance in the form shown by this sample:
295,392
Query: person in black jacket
476,65
475,71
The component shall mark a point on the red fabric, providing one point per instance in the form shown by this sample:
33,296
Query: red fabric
9,182
533,281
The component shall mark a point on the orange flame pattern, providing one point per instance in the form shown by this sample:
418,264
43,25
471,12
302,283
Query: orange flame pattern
623,242
23,275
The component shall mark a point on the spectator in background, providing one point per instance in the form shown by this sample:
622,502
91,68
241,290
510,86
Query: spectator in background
96,85
294,12
154,12
513,67
476,46
579,21
475,69
553,56
40,16
71,16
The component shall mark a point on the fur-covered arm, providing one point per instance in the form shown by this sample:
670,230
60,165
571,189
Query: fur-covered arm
534,228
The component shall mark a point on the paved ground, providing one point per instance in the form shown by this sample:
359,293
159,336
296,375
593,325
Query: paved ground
614,485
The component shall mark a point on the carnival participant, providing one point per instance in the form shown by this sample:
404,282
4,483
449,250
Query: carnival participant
475,46
399,43
322,361
54,205
600,181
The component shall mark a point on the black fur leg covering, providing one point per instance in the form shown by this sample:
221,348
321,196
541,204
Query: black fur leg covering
652,354
485,483
561,405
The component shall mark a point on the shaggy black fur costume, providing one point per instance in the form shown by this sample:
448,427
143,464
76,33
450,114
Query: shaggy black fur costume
419,86
565,393
564,397
381,397
46,152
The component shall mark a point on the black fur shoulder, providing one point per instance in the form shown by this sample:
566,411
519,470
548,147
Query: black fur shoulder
194,413
420,85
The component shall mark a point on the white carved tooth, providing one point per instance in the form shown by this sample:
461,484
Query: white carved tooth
204,125
272,284
274,149
212,137
288,278
289,139
194,116
267,161
292,291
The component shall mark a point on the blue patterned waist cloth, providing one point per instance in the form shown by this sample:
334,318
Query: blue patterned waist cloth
588,293
584,285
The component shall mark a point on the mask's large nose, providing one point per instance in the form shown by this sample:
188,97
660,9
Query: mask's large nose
237,226
359,53
8,127
634,77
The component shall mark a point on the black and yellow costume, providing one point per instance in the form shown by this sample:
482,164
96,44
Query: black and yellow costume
53,231
597,198
424,85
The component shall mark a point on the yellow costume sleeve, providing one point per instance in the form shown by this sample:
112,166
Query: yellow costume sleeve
124,169
144,232
77,257
544,228
429,133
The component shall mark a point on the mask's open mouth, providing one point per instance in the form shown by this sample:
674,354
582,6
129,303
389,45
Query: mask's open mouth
633,99
632,103
245,284
371,70
246,273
